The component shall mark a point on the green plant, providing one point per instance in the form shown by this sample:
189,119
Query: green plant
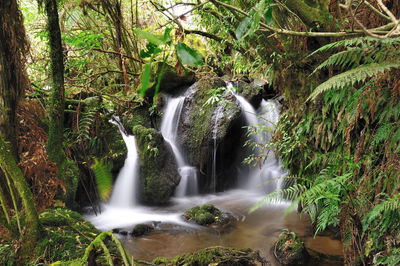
162,44
102,172
363,57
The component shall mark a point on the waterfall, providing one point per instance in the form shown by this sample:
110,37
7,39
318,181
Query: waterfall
169,130
268,177
125,187
218,114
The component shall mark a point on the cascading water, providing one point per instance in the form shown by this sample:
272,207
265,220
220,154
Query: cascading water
263,177
218,114
169,130
125,187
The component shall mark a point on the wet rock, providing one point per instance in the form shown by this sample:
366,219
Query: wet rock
249,91
208,214
290,249
142,229
221,256
197,126
158,172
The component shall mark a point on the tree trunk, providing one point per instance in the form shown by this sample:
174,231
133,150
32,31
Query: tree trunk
55,148
31,235
13,78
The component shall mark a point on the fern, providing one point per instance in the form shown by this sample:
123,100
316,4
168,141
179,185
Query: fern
348,57
86,121
103,176
352,76
392,204
357,42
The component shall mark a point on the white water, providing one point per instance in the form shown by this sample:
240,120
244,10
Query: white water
125,187
169,130
218,115
122,211
267,176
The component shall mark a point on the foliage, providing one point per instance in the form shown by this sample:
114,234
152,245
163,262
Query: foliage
161,44
103,176
366,57
343,149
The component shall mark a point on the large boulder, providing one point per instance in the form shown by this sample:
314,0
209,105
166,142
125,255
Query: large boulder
158,171
171,80
201,123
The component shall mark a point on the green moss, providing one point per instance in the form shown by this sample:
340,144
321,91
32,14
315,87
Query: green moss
214,256
290,249
158,174
203,215
66,235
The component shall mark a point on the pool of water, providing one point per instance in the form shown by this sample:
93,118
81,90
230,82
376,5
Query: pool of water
174,236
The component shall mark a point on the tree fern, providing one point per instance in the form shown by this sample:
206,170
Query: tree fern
353,76
103,176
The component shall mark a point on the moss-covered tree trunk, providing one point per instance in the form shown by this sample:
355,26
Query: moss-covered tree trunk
55,141
31,233
55,149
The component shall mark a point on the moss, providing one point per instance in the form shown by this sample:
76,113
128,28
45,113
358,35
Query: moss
215,256
290,249
203,215
139,115
66,235
158,173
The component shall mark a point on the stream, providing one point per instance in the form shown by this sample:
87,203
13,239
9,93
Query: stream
173,235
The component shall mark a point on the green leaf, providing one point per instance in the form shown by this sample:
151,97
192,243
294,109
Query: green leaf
268,16
242,29
188,56
152,38
103,176
145,79
167,35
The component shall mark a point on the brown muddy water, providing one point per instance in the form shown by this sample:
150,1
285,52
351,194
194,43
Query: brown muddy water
258,230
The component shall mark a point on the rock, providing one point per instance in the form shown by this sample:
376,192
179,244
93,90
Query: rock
208,214
137,116
289,249
221,256
171,81
142,229
197,125
158,172
250,92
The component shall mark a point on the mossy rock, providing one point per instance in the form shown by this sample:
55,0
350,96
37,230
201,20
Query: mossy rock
142,229
289,249
137,116
216,256
158,172
250,92
208,214
171,79
197,123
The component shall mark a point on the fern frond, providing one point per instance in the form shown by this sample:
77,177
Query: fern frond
280,195
343,58
369,42
103,176
353,76
392,204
